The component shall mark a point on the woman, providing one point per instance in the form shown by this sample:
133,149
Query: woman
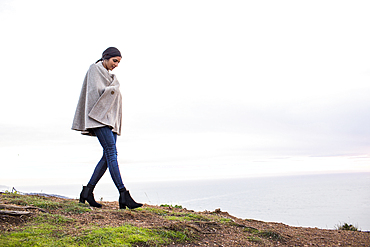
99,113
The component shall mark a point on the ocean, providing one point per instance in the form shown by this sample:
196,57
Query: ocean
324,201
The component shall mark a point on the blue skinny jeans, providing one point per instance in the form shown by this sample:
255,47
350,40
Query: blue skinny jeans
107,140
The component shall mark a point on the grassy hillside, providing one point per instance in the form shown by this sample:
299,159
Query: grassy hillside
31,220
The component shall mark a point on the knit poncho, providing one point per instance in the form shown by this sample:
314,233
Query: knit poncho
100,102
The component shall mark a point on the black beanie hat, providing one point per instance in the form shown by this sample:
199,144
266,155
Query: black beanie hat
110,52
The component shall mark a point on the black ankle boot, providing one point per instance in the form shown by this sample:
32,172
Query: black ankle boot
125,200
87,195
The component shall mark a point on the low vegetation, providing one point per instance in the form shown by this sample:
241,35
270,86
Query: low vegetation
52,221
62,229
347,227
171,206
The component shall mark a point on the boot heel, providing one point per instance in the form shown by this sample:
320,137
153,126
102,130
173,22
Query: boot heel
87,195
125,199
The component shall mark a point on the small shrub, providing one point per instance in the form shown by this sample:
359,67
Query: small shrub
347,227
254,239
171,206
270,235
251,230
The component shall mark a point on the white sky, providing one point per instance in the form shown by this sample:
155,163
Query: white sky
210,88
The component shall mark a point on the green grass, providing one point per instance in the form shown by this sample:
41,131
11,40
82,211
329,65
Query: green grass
183,216
45,234
157,211
125,235
44,229
174,235
187,217
180,216
45,203
37,201
74,207
52,219
55,230
226,220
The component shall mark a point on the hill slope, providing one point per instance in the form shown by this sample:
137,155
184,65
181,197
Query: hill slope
30,220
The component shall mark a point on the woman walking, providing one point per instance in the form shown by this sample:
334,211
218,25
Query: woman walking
99,113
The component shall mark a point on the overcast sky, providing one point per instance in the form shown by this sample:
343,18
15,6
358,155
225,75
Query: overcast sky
210,88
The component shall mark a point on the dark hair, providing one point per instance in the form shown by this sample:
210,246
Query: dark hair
110,52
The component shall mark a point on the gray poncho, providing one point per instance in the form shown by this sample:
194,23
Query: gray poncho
100,102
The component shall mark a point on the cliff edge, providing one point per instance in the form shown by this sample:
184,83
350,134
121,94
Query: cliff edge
35,220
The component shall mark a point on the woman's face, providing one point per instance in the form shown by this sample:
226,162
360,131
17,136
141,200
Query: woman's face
111,63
